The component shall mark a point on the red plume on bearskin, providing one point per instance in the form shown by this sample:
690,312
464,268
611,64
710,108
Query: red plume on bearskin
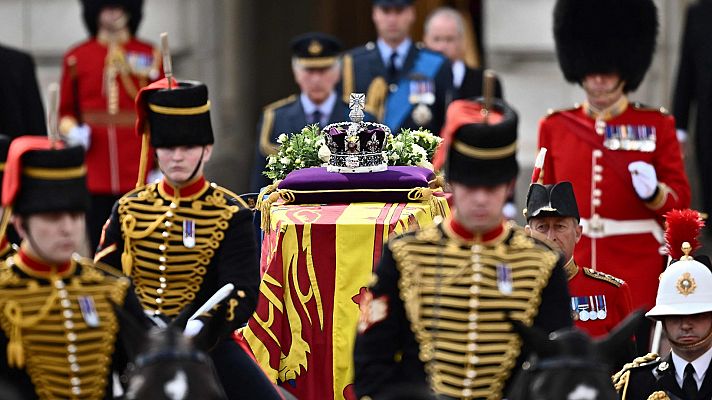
682,226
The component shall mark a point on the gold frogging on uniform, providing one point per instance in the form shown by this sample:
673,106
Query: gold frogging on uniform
65,360
451,297
151,223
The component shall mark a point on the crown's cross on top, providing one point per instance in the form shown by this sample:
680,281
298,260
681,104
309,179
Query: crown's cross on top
357,102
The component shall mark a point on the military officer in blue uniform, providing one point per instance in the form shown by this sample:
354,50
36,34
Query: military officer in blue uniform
406,86
317,66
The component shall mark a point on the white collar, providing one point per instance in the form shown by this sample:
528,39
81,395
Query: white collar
700,365
386,51
324,108
458,73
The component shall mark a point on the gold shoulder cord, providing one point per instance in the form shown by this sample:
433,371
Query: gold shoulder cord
13,312
376,97
128,222
348,77
266,146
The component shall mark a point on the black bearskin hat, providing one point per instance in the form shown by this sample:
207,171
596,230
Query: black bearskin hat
92,8
605,36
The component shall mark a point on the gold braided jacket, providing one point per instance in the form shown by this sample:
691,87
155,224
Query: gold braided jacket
454,299
61,329
168,270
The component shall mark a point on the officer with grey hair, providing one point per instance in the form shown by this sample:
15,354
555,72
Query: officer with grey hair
316,63
445,32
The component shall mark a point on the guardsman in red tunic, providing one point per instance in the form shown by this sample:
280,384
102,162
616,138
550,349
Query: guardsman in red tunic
100,79
623,159
599,301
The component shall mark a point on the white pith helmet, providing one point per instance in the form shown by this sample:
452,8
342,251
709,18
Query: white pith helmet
685,288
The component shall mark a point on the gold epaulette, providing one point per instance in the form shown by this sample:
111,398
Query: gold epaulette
620,378
617,282
553,111
642,107
266,145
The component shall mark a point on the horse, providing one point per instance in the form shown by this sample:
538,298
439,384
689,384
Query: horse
568,364
168,365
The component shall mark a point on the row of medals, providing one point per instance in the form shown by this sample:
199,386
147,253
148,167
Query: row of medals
580,310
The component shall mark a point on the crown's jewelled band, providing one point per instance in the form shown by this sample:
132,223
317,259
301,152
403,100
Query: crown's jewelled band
357,160
346,124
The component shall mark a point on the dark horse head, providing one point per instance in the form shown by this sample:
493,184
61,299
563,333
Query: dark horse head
167,365
568,364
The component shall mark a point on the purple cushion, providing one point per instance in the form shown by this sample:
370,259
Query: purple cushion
316,185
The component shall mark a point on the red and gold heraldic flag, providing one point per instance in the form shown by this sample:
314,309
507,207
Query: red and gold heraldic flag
319,261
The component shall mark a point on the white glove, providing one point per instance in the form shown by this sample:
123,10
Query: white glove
645,180
681,135
193,327
80,135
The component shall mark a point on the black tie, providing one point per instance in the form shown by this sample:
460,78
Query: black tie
689,386
392,70
316,117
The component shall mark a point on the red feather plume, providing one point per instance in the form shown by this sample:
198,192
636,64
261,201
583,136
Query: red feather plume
682,226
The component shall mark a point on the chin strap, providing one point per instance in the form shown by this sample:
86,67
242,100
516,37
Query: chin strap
197,166
692,346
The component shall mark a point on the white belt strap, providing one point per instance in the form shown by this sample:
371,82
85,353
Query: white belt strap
596,228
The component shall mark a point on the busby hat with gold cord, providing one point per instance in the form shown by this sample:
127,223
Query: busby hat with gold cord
556,200
41,176
479,148
686,285
605,36
315,50
92,9
172,113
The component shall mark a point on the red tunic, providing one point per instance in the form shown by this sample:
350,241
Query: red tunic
622,232
595,291
114,153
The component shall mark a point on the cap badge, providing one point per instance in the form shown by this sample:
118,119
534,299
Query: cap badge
315,48
686,284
